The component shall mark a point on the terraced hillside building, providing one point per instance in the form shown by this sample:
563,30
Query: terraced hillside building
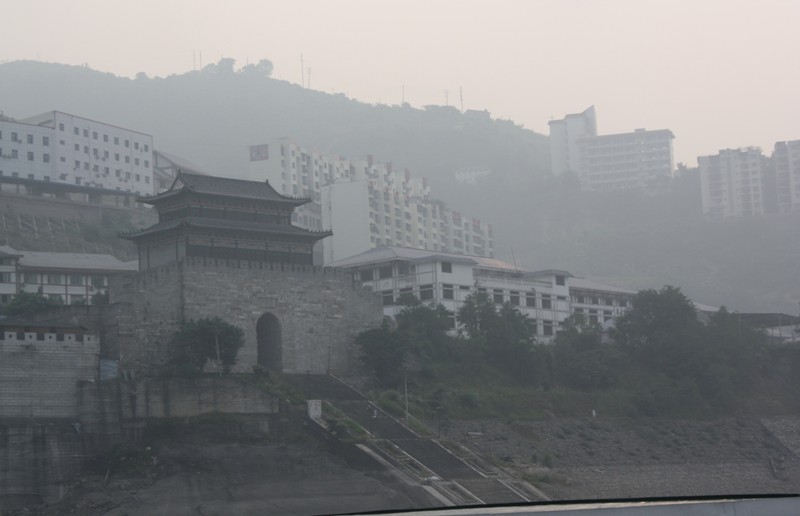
227,248
366,203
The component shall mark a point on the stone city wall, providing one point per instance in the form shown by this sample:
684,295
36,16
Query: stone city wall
320,311
39,374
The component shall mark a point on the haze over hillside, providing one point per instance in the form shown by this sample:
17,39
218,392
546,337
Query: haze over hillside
210,117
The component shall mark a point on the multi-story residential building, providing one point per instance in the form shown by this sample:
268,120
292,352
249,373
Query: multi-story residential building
732,182
786,160
547,297
71,278
60,147
638,160
564,135
365,203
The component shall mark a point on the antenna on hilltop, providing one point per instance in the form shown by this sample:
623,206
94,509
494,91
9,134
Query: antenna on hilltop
461,97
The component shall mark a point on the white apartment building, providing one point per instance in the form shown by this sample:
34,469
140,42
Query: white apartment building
547,297
732,182
786,160
638,160
60,147
71,278
564,135
365,203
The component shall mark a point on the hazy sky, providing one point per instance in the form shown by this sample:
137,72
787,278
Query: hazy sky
719,73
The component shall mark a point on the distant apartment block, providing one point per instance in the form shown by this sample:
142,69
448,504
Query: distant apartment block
640,159
547,297
732,182
60,147
564,135
366,204
745,182
786,160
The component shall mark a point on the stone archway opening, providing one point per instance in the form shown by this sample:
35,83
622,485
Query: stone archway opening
270,345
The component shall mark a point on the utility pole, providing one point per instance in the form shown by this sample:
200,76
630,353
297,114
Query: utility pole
302,72
461,97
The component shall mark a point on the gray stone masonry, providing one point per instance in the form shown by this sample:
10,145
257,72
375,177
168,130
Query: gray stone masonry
320,311
39,378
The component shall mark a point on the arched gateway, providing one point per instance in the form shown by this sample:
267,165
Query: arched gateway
268,337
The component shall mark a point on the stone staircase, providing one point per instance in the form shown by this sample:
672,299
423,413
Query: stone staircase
456,477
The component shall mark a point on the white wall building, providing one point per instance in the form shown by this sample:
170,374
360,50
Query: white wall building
60,147
386,208
546,297
638,160
71,278
564,134
786,159
732,182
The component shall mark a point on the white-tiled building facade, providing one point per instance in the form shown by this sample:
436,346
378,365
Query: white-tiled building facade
365,203
60,147
546,297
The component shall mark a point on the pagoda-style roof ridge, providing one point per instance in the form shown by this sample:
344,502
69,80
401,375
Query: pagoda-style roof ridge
236,225
224,186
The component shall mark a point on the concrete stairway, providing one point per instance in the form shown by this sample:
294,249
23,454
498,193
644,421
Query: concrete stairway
457,477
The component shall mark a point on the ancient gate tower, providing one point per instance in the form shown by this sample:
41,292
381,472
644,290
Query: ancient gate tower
226,248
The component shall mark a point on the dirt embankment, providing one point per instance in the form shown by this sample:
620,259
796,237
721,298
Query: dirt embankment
626,458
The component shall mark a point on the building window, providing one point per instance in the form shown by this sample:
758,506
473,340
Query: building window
546,302
388,298
403,269
530,299
447,292
5,277
46,158
46,141
426,292
60,127
385,272
366,275
98,281
77,300
514,298
547,329
560,280
76,279
447,267
94,135
30,278
54,279
497,296
14,137
29,139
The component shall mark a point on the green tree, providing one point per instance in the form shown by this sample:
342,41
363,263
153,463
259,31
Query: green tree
384,352
206,339
661,331
425,328
26,303
581,360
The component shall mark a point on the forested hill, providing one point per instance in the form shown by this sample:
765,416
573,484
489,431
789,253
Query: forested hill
210,117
